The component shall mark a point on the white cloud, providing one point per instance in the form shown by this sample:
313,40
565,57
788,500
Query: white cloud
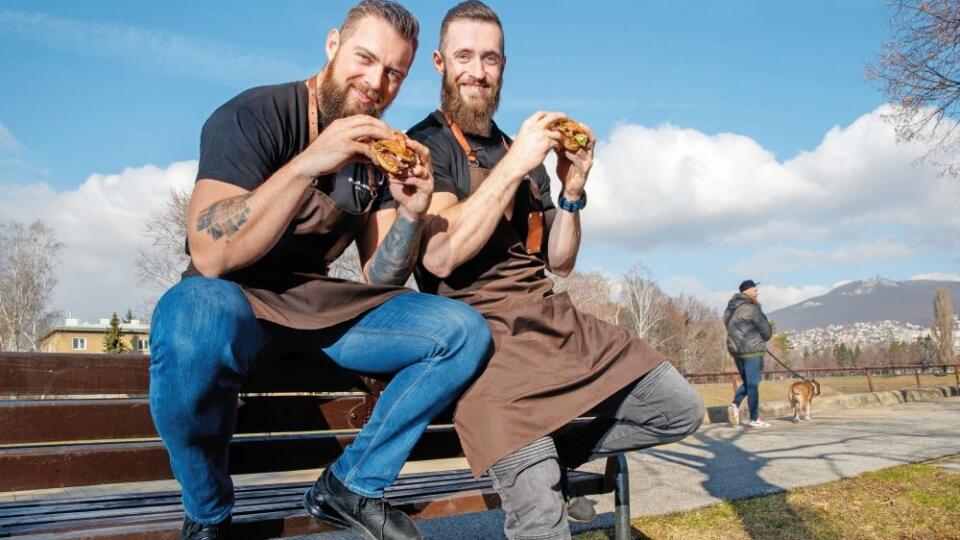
101,224
775,297
936,277
668,185
7,140
772,296
204,59
782,259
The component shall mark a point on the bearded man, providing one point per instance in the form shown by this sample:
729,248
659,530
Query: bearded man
284,185
493,231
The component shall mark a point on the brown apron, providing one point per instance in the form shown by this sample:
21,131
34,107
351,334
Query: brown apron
551,363
301,295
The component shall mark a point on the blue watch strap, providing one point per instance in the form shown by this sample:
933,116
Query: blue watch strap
573,206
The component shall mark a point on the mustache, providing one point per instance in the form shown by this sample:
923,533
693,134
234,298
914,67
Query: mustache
485,82
369,92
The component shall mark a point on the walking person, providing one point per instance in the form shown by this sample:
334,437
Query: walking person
748,331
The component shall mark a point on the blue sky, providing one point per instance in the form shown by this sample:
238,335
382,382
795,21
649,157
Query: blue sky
100,88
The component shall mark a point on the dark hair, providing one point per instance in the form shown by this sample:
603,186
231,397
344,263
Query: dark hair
393,13
473,10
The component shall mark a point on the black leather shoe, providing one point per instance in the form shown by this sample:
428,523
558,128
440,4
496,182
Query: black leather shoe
192,530
372,518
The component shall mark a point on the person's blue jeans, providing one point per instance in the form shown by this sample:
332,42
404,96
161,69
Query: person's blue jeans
751,371
205,340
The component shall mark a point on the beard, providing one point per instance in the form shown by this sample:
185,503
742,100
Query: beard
335,102
473,116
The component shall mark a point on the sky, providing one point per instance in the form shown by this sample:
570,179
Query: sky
735,139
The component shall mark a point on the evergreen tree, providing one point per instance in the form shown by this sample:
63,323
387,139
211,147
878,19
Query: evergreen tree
113,341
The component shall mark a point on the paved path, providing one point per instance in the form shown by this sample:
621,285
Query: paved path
720,462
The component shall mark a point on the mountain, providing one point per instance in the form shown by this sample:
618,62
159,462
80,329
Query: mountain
869,300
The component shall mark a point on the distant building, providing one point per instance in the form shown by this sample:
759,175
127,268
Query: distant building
76,336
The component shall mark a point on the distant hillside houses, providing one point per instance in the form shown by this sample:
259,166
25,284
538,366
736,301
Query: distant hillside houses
863,333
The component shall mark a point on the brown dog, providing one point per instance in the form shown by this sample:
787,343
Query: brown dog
800,397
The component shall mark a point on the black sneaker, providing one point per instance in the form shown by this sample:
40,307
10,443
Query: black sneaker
373,518
192,530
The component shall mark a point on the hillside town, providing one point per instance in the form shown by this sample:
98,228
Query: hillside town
861,333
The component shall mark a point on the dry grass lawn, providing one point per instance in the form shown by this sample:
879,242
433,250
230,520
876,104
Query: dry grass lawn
908,502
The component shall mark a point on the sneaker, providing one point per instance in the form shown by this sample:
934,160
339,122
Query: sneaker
758,424
580,510
372,517
191,530
733,413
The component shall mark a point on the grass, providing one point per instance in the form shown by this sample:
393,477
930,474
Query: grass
722,393
918,501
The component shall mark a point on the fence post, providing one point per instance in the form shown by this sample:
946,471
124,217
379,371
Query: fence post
869,380
956,374
916,373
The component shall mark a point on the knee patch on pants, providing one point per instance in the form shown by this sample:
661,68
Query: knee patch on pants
528,482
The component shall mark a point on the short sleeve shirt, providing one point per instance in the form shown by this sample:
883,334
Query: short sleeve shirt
253,135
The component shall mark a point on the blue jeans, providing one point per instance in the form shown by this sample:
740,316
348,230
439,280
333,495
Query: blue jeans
205,340
751,371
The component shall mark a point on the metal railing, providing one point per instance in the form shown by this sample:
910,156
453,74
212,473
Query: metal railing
916,369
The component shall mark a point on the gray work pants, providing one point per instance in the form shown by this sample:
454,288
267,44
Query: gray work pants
659,408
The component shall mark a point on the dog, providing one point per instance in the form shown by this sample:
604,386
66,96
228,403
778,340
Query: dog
800,396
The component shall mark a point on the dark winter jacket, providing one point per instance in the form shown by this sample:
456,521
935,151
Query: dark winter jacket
747,327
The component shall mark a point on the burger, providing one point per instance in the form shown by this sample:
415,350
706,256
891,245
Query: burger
393,156
572,135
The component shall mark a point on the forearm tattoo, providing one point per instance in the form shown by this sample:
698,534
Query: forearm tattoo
224,218
394,259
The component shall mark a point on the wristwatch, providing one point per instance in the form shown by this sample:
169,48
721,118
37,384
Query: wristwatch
573,206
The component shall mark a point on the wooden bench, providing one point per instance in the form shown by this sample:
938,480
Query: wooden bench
82,420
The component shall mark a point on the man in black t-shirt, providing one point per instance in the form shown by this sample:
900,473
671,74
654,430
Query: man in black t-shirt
492,234
284,185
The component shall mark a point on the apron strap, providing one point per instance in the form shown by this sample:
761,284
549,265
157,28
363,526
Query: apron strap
313,112
461,138
535,220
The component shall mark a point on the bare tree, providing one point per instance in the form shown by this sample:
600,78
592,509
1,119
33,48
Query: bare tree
591,292
643,301
702,337
162,262
919,71
944,320
28,255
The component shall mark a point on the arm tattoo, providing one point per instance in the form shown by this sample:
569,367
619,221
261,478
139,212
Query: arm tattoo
394,259
224,218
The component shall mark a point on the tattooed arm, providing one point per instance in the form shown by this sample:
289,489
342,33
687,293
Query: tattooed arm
389,245
392,262
229,227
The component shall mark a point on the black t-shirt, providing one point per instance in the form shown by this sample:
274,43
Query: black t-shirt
253,135
451,170
245,142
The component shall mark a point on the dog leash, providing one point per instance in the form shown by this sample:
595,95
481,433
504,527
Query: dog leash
784,365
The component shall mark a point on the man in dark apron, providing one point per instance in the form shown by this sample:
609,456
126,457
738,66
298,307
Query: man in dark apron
492,234
284,185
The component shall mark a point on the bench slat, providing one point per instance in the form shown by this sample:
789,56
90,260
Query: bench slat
279,505
42,467
38,421
91,374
